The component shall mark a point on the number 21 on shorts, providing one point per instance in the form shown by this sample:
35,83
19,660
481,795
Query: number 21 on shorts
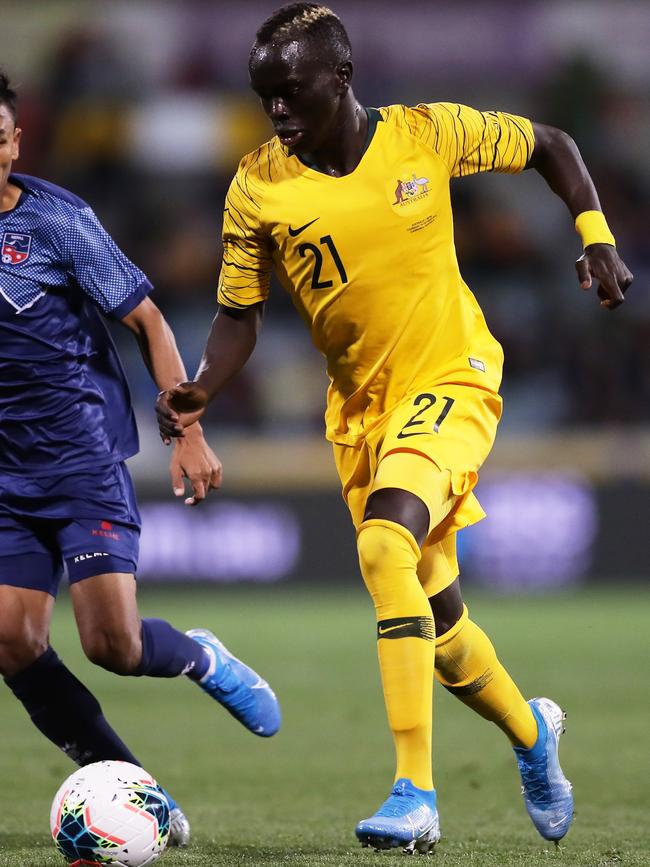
424,402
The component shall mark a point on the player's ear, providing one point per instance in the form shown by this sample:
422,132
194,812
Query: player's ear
344,75
15,150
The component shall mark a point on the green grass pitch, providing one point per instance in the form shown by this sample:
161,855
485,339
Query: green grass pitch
295,798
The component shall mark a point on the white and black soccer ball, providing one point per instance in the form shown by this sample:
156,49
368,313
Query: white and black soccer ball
110,813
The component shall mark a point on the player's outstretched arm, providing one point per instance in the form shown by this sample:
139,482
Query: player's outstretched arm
192,458
231,341
557,158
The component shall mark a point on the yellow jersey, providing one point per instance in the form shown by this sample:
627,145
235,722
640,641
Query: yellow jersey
369,258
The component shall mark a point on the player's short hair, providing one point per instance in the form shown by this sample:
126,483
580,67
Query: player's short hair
306,20
8,95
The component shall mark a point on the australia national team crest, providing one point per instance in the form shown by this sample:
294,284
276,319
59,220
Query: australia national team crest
15,248
412,189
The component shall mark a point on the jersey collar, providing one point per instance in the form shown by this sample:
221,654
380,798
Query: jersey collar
23,194
374,116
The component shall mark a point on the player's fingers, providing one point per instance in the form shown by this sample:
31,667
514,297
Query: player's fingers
168,421
178,485
216,477
198,489
626,280
610,293
162,406
584,274
169,429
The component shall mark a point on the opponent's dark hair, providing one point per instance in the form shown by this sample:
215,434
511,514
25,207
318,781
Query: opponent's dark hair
8,95
306,20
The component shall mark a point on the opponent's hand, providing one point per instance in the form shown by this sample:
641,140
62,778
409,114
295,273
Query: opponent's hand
602,262
193,459
178,408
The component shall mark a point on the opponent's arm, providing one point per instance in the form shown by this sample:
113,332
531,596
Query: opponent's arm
231,341
558,160
193,457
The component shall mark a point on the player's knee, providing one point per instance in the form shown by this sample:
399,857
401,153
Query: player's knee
378,545
19,650
117,650
388,556
369,547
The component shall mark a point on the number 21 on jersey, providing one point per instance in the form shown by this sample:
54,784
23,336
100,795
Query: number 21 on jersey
330,252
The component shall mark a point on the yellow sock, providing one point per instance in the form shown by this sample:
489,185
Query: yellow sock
388,556
467,665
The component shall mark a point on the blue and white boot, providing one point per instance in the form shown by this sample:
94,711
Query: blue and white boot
179,827
237,687
546,791
408,818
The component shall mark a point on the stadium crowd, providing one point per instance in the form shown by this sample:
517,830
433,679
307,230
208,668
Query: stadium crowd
155,158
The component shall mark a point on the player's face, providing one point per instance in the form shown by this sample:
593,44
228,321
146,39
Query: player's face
300,94
9,141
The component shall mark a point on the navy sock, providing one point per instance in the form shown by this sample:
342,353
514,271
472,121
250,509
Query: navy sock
66,712
166,652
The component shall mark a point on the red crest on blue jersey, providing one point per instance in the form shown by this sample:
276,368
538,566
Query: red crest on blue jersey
15,248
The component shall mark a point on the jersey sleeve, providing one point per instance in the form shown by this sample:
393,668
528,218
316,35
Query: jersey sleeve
471,141
101,269
247,263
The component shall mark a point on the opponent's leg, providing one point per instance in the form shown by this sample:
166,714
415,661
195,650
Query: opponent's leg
113,636
25,617
58,704
388,544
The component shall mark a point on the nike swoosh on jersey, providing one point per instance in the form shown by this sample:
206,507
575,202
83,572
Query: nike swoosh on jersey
294,232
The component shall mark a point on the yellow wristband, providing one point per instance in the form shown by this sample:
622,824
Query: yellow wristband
593,229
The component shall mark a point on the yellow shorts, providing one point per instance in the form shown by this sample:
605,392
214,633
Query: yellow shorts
431,445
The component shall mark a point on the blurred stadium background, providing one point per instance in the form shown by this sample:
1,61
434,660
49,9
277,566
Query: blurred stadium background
143,109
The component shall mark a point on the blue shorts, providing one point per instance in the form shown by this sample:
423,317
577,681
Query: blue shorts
84,524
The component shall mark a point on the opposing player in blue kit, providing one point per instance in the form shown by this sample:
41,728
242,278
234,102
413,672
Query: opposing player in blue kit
66,498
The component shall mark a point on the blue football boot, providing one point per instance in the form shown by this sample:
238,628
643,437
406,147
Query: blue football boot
237,687
546,791
407,818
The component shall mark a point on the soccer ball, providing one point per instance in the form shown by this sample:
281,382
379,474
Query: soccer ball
110,813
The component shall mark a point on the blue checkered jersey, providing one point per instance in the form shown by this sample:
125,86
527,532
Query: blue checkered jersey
64,400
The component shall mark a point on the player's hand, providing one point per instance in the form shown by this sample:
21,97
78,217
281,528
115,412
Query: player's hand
193,459
178,408
601,262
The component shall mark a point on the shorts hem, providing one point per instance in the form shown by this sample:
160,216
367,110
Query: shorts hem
27,571
104,565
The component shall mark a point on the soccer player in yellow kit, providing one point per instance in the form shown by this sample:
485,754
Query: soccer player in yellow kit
351,207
